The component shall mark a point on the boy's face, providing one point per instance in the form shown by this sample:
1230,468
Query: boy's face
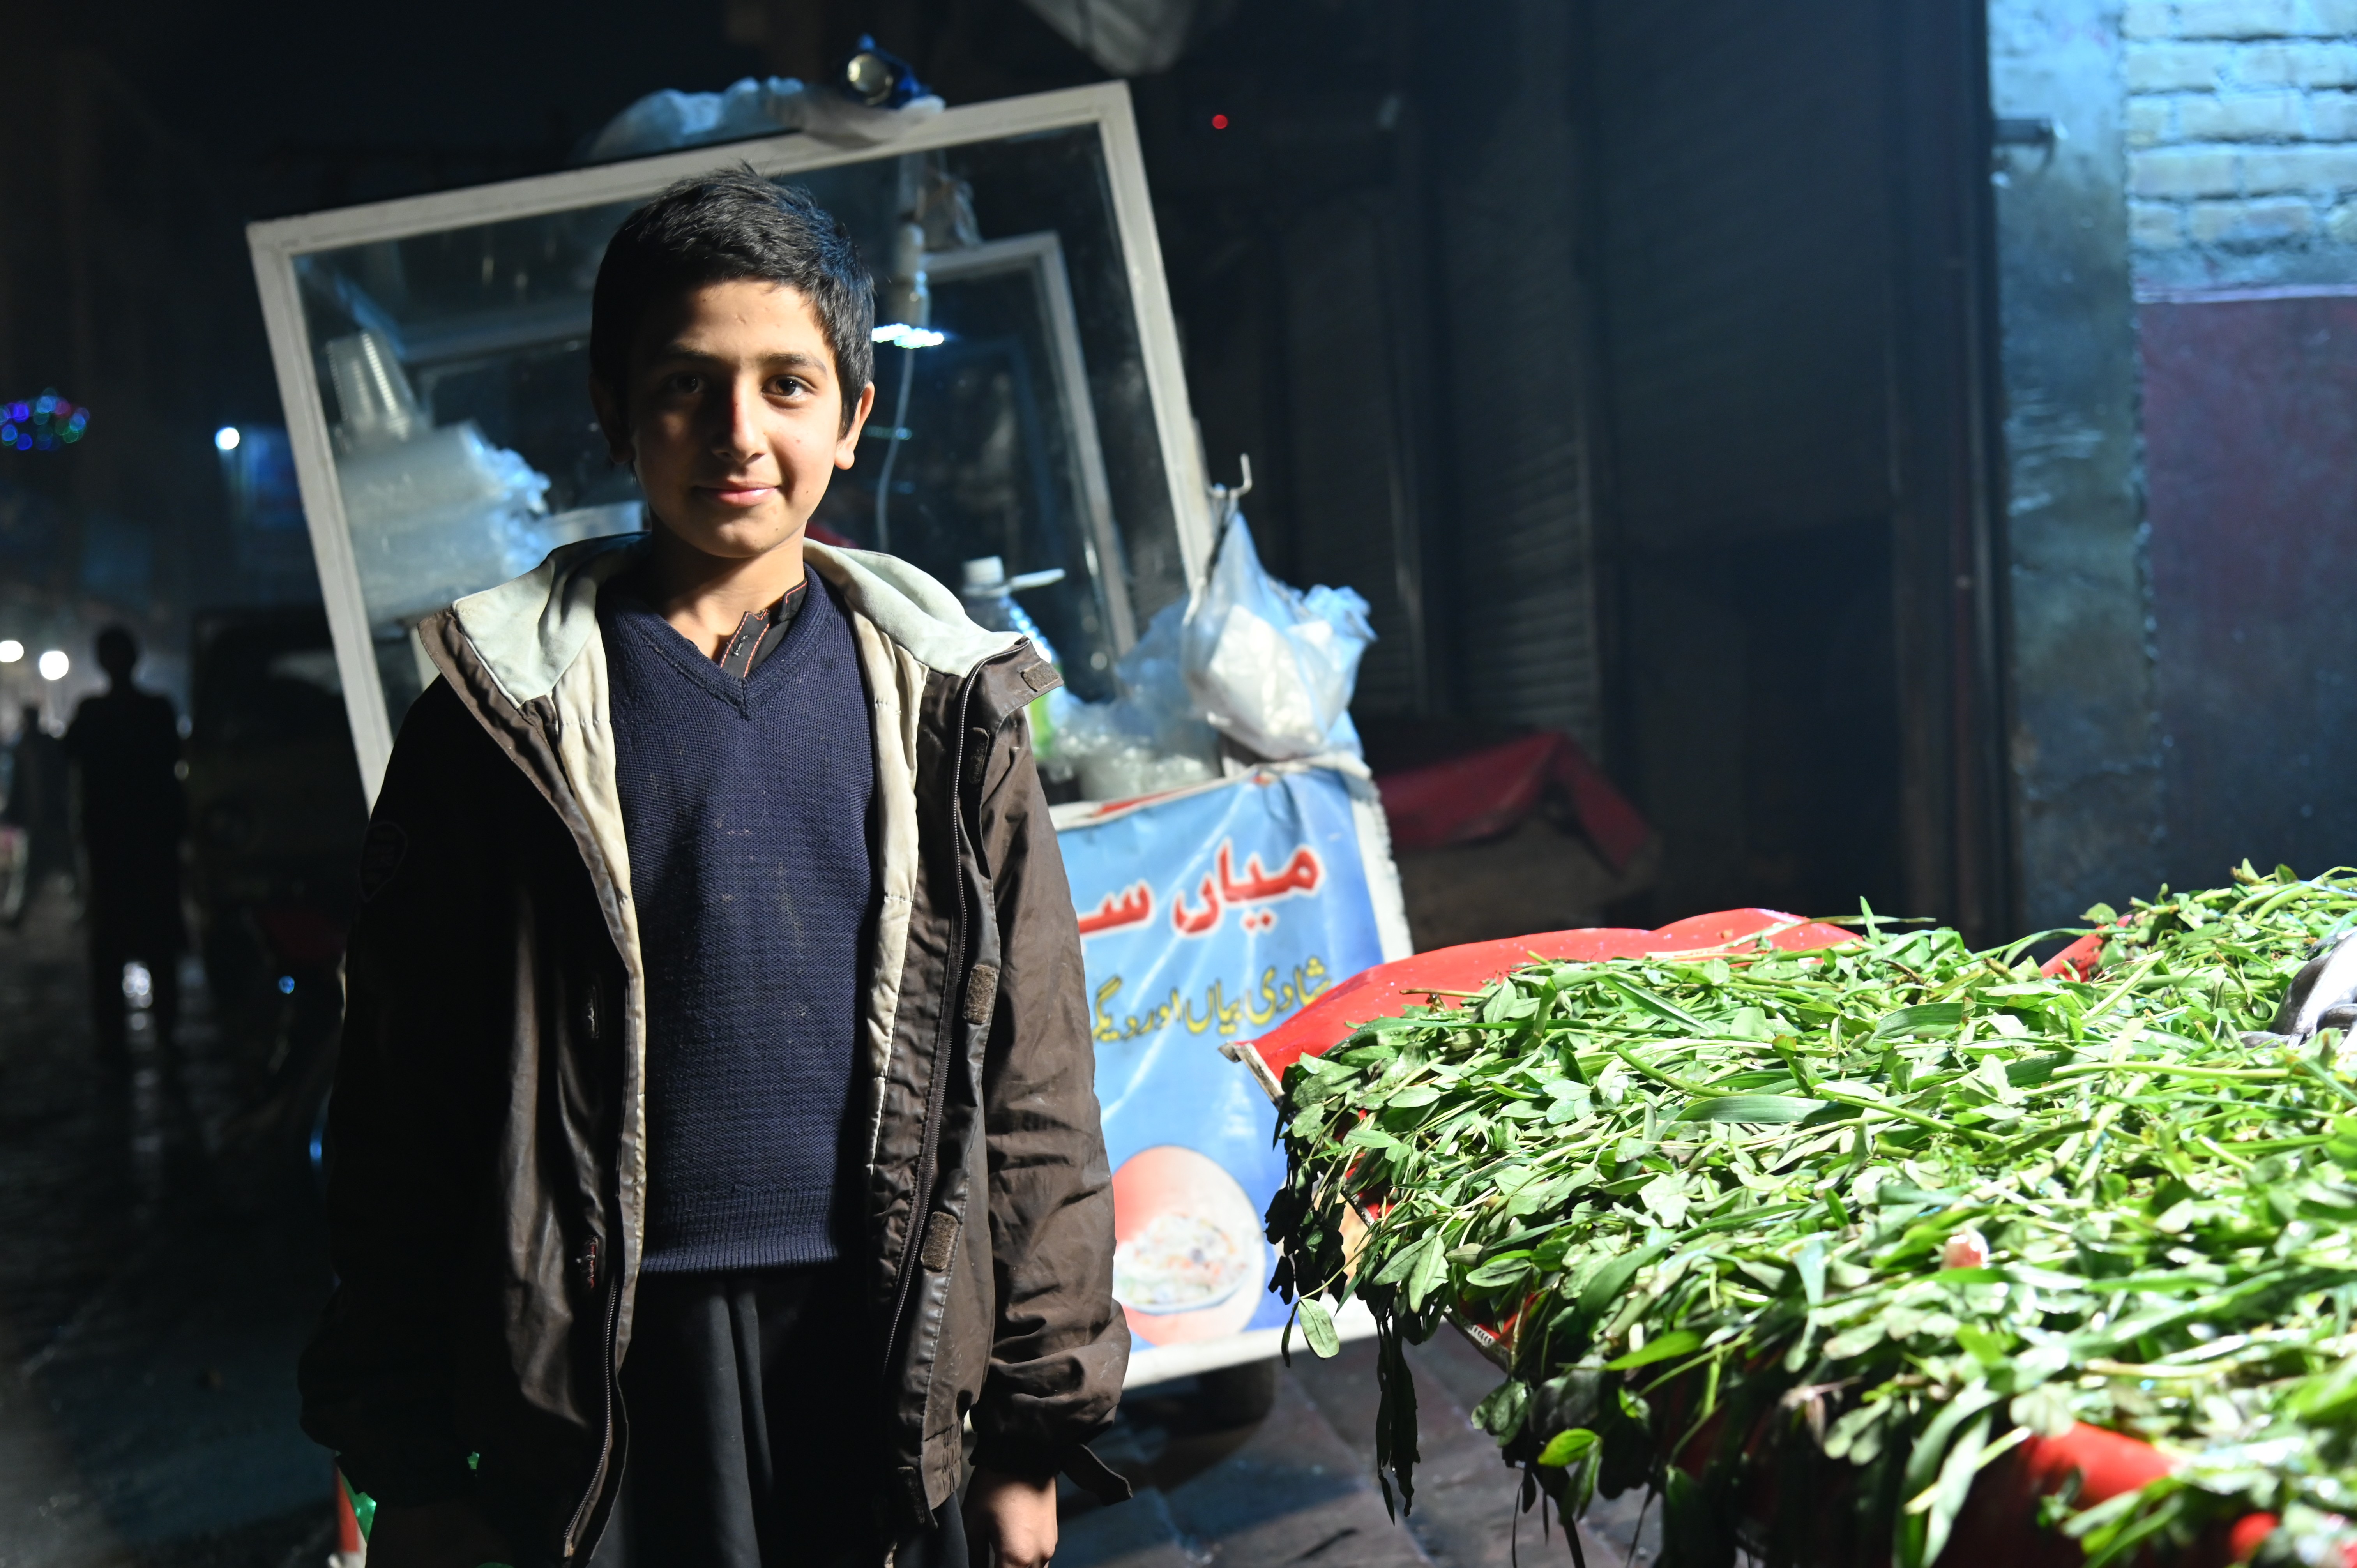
733,417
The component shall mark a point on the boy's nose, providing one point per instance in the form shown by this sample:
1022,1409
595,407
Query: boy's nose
739,428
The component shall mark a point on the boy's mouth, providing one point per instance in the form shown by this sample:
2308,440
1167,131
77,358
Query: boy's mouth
733,493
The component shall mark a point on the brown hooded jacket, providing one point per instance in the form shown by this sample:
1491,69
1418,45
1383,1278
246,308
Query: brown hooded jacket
487,1187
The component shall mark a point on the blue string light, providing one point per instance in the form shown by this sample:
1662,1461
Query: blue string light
46,424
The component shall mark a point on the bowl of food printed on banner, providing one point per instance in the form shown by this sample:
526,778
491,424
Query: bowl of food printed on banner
1188,1260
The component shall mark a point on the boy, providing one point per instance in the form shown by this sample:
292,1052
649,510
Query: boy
716,1158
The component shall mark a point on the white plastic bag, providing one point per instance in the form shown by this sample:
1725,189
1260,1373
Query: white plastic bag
1269,666
441,514
1148,739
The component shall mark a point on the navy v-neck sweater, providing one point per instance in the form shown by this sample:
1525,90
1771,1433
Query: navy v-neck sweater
746,804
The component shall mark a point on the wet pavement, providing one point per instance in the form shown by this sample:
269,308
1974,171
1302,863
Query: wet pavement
158,1273
161,1261
1298,1487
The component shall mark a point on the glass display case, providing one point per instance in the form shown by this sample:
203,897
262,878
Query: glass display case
433,356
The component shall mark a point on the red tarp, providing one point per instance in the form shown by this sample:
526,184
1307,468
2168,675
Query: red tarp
1382,991
1487,792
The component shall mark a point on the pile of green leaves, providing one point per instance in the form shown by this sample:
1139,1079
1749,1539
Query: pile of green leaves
1846,1226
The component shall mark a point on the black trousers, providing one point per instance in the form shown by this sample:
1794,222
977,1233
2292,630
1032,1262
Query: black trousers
752,1401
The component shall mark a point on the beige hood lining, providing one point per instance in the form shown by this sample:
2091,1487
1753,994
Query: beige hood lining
528,632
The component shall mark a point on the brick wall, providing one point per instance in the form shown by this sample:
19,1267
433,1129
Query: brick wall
2242,131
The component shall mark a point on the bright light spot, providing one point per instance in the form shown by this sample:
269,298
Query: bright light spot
286,985
1219,122
226,438
54,664
11,650
900,335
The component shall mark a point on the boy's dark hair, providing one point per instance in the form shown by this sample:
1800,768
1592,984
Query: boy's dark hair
721,227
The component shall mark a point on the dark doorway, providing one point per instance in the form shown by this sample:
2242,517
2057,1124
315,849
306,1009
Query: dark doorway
1788,268
1765,717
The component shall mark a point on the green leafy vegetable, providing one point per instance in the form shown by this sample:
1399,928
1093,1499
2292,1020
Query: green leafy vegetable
1851,1224
1318,1328
1565,1447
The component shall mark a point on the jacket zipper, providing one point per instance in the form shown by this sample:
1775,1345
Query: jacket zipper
613,1331
606,1440
937,1094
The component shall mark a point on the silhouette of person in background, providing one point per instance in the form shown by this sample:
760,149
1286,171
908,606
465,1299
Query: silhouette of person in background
125,749
37,803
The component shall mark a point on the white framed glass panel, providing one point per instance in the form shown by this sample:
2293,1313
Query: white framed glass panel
433,355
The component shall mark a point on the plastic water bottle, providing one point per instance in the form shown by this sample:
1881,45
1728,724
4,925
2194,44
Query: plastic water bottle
989,596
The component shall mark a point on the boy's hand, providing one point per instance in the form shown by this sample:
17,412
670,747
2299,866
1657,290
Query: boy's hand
434,1535
1010,1521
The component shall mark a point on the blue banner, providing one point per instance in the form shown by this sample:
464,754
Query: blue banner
1207,919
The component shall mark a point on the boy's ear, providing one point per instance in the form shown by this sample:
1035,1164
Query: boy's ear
610,422
846,451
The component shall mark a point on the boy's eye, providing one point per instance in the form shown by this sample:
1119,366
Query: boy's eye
683,383
788,386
